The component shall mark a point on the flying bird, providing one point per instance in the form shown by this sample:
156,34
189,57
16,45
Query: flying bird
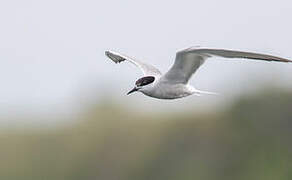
174,83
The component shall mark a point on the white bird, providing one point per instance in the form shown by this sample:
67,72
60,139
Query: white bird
174,83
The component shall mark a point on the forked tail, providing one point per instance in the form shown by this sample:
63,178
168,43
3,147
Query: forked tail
199,93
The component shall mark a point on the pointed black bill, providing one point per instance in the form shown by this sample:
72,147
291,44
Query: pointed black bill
133,90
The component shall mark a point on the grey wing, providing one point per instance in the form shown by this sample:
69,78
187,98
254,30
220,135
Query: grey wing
189,60
148,70
184,66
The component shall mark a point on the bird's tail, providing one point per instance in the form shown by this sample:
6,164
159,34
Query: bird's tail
199,93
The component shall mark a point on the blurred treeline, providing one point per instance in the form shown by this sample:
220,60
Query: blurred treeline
251,139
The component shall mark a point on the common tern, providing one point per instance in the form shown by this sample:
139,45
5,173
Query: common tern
174,83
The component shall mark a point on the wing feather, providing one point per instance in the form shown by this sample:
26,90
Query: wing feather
148,70
189,60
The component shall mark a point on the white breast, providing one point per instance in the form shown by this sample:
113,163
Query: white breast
163,90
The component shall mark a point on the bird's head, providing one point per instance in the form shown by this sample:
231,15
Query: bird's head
142,84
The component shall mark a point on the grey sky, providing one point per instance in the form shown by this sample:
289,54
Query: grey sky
51,51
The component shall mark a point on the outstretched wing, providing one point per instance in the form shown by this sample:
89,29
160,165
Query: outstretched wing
189,60
148,70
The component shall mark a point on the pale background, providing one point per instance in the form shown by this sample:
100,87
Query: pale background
52,52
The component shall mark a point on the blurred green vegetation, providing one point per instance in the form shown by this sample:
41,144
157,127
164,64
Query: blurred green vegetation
251,139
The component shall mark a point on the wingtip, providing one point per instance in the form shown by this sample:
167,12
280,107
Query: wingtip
115,57
107,53
286,60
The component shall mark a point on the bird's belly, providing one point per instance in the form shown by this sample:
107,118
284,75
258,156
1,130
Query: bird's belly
169,92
